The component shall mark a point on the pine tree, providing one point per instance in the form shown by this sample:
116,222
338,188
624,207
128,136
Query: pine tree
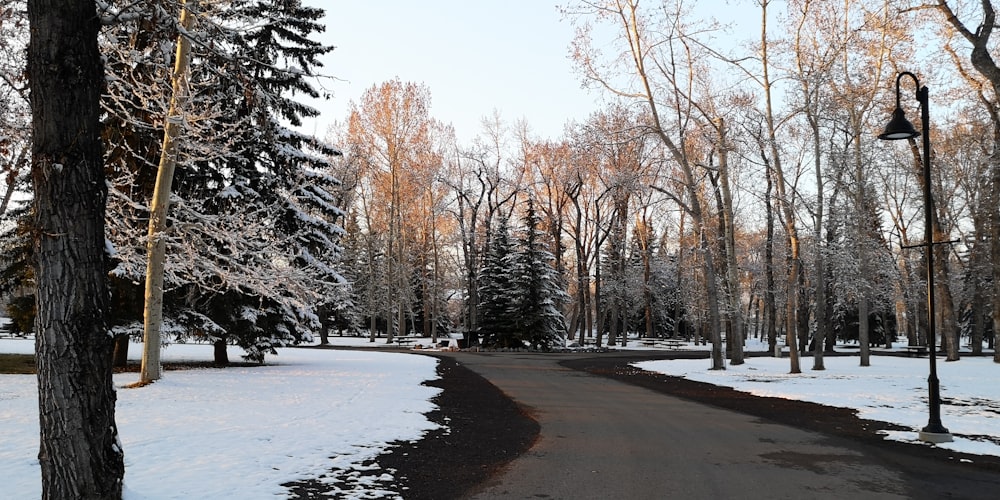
279,177
253,246
537,291
498,296
17,282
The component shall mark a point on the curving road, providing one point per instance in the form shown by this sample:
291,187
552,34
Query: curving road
603,439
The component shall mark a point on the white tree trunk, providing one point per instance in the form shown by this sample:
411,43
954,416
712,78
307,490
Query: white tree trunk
156,246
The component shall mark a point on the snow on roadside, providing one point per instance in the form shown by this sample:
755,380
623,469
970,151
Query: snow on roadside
893,389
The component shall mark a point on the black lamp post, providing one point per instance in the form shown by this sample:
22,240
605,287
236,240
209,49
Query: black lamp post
901,128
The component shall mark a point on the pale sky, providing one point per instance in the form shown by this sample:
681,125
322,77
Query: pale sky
474,56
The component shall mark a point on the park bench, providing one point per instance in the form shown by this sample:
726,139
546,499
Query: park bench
916,350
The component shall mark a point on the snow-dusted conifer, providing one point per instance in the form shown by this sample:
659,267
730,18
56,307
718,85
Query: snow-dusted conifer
253,245
538,294
498,294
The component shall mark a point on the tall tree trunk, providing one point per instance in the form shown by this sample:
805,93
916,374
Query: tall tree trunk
770,309
120,356
594,307
822,327
156,245
862,235
582,286
645,235
435,290
732,269
978,268
80,454
947,324
784,202
995,250
220,355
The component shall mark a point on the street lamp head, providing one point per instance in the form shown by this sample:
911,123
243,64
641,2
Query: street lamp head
898,128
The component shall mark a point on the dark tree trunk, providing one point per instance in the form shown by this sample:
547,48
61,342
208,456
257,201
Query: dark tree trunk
221,356
770,311
120,357
79,453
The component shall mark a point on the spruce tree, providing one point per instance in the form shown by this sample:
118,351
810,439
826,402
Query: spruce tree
253,249
498,296
537,292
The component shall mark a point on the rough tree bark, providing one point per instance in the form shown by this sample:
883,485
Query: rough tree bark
79,453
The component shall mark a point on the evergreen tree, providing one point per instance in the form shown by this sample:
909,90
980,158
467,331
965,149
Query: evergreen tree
275,190
253,249
498,295
537,294
17,283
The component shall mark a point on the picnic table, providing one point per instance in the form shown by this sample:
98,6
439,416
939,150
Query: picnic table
404,340
672,344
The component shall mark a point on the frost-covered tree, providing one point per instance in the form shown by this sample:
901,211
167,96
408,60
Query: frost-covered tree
537,288
17,280
15,117
498,296
253,238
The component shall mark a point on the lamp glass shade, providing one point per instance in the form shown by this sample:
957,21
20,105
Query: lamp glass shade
898,128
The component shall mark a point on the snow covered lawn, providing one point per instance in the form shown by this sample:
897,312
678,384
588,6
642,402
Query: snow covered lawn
239,432
893,389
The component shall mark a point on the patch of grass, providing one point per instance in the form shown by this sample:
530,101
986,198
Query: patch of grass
17,364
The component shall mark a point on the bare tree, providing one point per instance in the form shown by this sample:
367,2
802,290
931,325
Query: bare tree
663,71
389,137
15,121
981,41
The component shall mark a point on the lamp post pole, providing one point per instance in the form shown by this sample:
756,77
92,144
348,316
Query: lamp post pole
900,128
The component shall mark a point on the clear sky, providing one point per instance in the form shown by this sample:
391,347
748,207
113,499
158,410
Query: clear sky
474,56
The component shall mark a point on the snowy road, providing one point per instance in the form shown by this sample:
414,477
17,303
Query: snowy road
604,439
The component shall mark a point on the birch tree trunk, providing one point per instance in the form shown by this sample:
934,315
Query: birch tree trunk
156,246
80,455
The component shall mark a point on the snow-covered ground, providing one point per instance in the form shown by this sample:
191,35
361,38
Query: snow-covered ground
242,432
893,389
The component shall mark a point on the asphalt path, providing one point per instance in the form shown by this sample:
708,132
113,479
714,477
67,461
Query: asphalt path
603,439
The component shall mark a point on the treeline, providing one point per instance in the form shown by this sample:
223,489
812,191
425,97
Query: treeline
722,193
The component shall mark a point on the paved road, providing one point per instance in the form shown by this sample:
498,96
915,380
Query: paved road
603,439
